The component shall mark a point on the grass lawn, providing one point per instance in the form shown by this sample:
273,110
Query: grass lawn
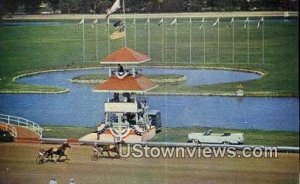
33,48
66,131
253,137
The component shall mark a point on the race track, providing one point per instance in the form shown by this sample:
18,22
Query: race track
18,166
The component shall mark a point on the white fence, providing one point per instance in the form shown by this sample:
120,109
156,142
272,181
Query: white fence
184,144
14,120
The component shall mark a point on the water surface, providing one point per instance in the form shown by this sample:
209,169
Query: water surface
82,107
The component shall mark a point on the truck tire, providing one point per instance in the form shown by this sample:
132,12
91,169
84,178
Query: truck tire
195,141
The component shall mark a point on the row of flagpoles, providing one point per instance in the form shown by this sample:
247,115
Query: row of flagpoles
121,33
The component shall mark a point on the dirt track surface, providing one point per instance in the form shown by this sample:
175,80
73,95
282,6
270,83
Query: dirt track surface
17,165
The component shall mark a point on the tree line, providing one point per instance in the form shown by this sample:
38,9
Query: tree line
10,7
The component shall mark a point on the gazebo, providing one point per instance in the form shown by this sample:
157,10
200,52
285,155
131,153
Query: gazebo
133,83
127,115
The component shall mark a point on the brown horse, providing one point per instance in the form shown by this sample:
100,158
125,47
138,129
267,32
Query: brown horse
115,148
60,151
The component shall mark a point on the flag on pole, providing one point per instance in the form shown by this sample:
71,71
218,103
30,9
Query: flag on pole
94,22
190,21
260,21
160,23
81,22
232,20
147,23
119,25
245,23
201,25
217,22
114,8
117,35
230,23
174,22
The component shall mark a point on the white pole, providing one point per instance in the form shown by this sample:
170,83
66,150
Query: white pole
162,41
190,23
218,40
149,38
263,41
166,43
233,40
83,39
248,46
175,41
203,40
97,56
125,37
134,33
108,38
119,115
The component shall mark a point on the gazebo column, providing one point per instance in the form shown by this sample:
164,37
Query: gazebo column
109,72
133,72
119,115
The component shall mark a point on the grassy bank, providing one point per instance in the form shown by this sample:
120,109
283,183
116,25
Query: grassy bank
33,48
253,137
66,131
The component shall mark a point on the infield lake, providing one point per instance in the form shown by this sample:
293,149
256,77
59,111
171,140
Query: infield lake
82,107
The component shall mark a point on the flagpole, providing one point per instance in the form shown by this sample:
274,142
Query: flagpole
175,41
263,41
134,33
125,36
218,40
108,38
162,41
125,44
149,38
83,39
248,47
233,40
97,56
203,40
166,43
190,39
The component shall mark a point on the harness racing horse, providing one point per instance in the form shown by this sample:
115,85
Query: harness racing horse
60,151
115,148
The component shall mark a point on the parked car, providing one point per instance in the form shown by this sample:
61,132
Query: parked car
216,138
5,136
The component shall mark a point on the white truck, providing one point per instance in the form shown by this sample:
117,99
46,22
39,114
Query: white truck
216,138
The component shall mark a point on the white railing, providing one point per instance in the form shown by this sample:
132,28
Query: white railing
14,120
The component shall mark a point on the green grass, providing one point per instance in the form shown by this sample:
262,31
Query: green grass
66,131
34,48
252,137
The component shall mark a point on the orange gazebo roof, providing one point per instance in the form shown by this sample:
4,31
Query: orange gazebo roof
125,55
138,84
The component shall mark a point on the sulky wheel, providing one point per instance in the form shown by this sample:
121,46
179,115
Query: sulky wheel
39,159
94,157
